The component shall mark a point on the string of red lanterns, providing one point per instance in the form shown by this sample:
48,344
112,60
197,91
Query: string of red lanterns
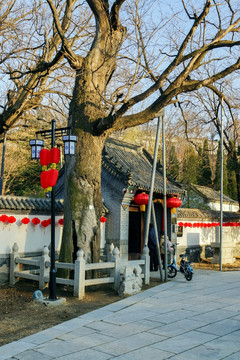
207,225
35,221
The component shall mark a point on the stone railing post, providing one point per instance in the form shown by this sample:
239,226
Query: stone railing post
117,260
79,276
145,256
110,253
110,272
13,265
44,271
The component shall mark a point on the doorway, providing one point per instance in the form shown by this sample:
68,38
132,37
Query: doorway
135,233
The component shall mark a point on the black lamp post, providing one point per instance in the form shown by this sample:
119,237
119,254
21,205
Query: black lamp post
36,144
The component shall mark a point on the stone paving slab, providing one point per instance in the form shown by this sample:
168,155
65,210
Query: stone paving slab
176,320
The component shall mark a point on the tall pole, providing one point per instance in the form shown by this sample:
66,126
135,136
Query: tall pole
3,160
148,215
221,189
157,241
52,282
164,198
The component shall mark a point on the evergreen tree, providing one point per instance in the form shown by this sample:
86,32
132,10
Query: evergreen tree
190,167
217,179
172,163
189,171
205,174
231,173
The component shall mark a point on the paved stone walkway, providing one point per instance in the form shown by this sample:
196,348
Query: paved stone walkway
177,320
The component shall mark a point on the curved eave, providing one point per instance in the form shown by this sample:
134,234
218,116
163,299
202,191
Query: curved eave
172,191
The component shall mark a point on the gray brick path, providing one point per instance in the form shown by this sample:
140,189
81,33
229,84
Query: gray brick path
177,320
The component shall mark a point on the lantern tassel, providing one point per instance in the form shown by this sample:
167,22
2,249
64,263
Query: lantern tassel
48,189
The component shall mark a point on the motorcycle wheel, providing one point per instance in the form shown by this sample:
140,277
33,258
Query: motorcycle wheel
188,275
172,272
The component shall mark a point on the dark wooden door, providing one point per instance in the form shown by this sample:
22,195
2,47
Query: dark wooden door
135,234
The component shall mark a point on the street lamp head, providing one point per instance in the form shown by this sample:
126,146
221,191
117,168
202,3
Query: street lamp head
69,144
36,147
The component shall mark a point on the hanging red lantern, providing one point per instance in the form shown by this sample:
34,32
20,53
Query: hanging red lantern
103,219
173,202
45,223
11,219
54,156
141,199
25,221
180,224
52,177
60,221
44,157
36,221
4,218
44,179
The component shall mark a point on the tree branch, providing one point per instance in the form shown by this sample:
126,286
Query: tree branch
74,60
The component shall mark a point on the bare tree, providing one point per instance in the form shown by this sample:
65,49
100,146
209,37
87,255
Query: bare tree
127,75
32,63
208,101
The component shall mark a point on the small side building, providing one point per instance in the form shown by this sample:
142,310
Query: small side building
126,172
199,226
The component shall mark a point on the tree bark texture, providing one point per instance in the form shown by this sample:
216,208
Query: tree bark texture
83,201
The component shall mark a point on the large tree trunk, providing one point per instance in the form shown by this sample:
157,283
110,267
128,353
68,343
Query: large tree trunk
83,201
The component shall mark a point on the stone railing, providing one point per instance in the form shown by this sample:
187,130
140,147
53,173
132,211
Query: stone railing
112,271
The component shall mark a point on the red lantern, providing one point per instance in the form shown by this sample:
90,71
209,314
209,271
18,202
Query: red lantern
45,223
49,221
44,157
44,179
54,155
180,224
52,177
4,218
25,221
60,221
103,219
141,199
173,202
36,221
11,219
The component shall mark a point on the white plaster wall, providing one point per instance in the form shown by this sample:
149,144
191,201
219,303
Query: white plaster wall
29,238
226,207
205,236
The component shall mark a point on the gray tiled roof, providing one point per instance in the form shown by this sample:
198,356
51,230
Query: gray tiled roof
132,163
19,203
211,195
197,214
